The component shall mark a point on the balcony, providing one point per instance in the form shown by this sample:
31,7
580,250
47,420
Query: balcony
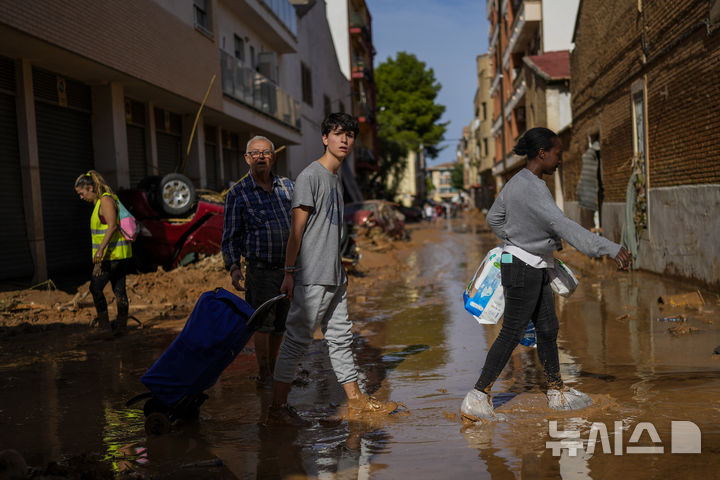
284,12
360,27
273,21
495,84
257,91
494,38
364,113
517,95
524,27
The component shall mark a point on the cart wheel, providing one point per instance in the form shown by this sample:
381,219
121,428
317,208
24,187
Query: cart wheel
153,405
157,424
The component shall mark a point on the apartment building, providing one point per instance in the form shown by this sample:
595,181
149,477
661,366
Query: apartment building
643,153
351,27
116,86
479,181
441,178
528,42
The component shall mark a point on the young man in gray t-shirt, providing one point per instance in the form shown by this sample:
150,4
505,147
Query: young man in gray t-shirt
315,280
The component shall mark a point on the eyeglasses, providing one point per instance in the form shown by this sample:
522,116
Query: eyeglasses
264,153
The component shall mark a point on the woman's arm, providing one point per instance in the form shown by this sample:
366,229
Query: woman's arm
496,217
108,210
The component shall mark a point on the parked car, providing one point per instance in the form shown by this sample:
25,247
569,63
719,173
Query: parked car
195,227
412,214
376,212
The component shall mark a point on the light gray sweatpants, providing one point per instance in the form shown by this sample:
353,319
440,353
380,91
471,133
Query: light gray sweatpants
314,305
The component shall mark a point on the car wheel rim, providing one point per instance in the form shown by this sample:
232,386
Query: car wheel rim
176,194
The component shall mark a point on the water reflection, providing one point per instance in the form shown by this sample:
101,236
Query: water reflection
418,346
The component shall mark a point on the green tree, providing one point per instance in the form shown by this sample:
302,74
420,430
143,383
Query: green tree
408,117
457,176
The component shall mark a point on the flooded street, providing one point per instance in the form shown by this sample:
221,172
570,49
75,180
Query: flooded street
63,393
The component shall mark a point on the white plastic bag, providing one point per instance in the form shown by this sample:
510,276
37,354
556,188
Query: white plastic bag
483,296
562,280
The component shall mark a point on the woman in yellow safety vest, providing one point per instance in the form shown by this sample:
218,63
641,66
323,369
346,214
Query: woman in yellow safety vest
110,250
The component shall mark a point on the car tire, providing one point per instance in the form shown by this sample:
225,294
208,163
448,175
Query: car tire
176,194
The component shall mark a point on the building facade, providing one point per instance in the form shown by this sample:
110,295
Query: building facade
351,27
643,153
479,181
116,86
524,96
441,177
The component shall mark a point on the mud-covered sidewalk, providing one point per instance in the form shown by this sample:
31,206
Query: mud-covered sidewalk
643,362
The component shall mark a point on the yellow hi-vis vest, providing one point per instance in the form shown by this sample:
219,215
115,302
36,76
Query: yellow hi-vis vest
118,248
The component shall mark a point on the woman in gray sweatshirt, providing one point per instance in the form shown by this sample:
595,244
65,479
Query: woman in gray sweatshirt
525,217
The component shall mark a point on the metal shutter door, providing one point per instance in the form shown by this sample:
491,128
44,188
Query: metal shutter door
136,153
168,152
15,256
211,167
65,150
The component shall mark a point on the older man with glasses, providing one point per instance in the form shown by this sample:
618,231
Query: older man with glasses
256,228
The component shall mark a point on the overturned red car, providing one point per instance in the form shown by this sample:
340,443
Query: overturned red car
176,226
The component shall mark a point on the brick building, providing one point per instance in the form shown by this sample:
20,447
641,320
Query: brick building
115,86
526,94
645,93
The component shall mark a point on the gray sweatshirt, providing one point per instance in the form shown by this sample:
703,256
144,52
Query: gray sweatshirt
525,215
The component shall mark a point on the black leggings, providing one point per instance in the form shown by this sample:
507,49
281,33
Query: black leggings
112,271
527,297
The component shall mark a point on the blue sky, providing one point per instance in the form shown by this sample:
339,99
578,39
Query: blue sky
445,34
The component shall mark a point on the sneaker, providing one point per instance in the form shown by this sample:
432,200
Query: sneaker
567,399
368,404
477,407
285,416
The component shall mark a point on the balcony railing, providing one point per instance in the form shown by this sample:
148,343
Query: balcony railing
251,88
357,20
285,12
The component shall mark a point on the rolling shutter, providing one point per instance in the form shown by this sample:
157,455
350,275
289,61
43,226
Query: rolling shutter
64,137
137,158
15,256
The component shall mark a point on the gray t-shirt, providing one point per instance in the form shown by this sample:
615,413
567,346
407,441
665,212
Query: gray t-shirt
319,258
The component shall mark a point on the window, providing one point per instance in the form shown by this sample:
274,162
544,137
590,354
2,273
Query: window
252,57
202,15
306,80
240,49
327,105
484,110
485,146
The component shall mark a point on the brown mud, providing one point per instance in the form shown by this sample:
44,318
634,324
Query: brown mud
64,388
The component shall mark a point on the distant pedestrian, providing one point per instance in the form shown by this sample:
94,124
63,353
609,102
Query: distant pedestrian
428,211
315,279
256,228
525,217
111,252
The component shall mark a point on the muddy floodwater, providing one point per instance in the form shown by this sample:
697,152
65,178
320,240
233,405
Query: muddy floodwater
650,369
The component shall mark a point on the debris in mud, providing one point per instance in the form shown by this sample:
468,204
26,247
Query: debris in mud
717,350
677,318
691,299
453,417
682,330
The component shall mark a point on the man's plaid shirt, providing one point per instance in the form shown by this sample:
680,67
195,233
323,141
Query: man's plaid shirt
257,223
